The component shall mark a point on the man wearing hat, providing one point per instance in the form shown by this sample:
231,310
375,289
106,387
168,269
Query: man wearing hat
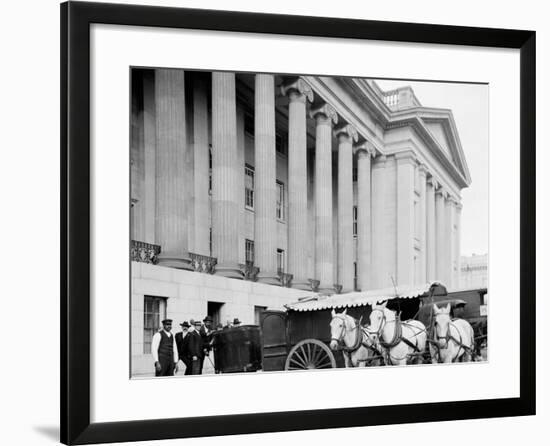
206,335
182,342
196,349
236,322
164,350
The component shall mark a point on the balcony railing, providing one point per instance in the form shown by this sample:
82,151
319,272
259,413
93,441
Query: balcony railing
250,272
286,279
144,252
203,264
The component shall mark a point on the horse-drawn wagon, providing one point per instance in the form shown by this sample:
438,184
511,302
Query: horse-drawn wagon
302,336
379,327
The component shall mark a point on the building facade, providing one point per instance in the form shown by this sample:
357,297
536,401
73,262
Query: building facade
473,271
294,184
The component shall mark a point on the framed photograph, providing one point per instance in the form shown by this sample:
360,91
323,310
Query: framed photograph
293,222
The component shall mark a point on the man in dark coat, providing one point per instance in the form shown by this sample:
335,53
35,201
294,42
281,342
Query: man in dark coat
196,348
182,342
206,335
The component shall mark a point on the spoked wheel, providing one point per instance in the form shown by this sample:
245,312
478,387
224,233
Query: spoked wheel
310,354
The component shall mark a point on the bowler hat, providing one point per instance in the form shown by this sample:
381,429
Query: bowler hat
236,321
185,324
207,319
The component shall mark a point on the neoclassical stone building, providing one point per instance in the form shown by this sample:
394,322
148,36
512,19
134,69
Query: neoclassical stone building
295,184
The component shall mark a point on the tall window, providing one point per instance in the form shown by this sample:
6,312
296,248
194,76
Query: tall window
280,144
249,187
154,311
280,200
249,251
355,221
210,169
280,260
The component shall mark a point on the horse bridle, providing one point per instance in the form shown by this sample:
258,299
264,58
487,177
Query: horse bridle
381,326
340,338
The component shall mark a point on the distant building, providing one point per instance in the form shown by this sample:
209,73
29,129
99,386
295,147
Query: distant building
473,271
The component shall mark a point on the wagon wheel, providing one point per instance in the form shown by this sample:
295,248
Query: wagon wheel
310,354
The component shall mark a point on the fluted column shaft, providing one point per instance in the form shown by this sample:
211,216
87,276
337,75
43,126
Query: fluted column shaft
405,218
298,93
171,216
364,241
201,167
345,135
458,214
224,175
440,195
422,267
431,185
265,229
324,251
449,244
379,199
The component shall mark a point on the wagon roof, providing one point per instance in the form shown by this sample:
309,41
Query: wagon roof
361,298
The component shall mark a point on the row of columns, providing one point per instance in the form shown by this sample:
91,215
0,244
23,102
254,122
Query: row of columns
439,214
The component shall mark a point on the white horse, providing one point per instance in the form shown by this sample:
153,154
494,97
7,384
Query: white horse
454,338
348,335
403,342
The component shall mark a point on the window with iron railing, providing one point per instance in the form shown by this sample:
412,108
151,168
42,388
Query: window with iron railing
280,200
249,251
355,221
249,187
280,261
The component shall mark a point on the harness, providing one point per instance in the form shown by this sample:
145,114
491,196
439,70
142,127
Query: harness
359,342
449,337
397,336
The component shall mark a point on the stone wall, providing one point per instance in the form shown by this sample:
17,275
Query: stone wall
187,295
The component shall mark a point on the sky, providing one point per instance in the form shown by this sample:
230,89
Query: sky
470,106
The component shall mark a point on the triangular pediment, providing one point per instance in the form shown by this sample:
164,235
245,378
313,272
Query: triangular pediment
438,132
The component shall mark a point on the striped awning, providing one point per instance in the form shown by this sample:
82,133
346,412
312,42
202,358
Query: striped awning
360,298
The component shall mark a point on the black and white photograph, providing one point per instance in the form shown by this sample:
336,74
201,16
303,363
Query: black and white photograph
285,222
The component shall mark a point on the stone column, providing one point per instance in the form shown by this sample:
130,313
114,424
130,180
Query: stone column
265,202
379,257
364,243
150,148
324,116
405,218
421,277
431,256
449,245
458,214
345,135
298,92
225,236
441,247
201,152
171,216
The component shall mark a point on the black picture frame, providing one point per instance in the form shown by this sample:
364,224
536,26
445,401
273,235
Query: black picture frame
76,18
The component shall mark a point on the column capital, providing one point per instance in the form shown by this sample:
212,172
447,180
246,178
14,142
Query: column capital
433,182
366,147
346,131
380,161
442,192
406,156
324,112
298,86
